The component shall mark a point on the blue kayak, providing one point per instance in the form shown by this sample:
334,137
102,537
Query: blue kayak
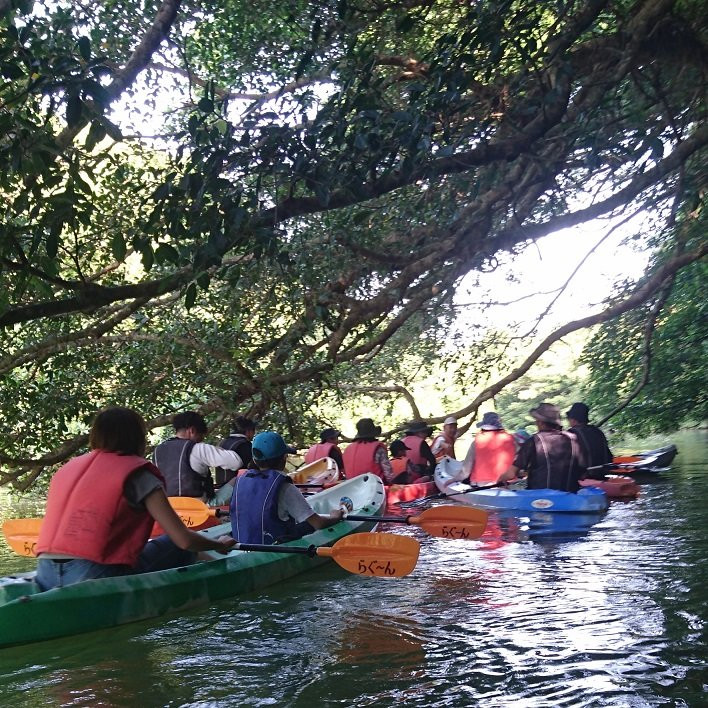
588,499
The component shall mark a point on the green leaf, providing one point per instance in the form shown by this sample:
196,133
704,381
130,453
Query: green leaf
84,48
190,296
74,109
96,133
118,247
206,105
147,256
166,254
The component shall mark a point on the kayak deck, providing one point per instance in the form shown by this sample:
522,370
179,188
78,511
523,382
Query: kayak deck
29,615
447,472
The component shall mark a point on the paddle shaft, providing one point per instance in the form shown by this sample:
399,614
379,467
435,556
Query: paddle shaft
383,519
308,551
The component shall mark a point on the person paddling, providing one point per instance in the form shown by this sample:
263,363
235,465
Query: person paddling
102,506
551,459
444,444
327,447
367,455
400,464
239,441
266,507
591,438
186,461
491,451
421,457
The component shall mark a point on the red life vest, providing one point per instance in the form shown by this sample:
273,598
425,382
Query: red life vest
87,514
494,452
415,443
317,452
359,458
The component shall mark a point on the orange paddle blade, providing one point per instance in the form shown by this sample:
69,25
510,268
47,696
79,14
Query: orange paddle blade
192,511
382,555
22,534
452,522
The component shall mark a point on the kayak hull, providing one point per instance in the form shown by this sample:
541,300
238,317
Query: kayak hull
408,492
649,461
590,500
619,487
322,471
28,615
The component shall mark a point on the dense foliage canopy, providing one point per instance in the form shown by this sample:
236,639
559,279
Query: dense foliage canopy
238,205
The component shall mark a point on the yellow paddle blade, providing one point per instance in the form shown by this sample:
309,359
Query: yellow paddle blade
22,534
192,511
383,555
452,522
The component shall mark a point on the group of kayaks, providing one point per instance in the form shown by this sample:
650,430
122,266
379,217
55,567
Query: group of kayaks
29,615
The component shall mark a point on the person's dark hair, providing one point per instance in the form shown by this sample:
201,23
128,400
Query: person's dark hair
120,430
278,463
190,419
241,424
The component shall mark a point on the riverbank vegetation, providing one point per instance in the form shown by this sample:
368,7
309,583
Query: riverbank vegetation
269,207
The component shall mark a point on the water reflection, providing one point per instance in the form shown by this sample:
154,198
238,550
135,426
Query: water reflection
538,612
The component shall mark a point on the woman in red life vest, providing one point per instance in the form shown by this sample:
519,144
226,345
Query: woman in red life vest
327,447
102,506
365,454
419,454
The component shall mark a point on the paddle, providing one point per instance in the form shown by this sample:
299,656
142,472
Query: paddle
22,534
636,466
375,554
193,511
442,521
383,555
443,495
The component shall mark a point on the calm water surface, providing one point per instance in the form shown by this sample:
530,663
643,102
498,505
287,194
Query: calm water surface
612,615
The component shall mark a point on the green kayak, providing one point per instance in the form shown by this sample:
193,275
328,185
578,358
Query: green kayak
29,615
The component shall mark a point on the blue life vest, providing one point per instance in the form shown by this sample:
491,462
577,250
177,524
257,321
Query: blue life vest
254,508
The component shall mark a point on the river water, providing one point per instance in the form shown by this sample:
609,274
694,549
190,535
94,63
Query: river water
612,614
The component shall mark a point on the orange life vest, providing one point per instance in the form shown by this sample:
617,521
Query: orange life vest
359,458
87,514
317,452
494,452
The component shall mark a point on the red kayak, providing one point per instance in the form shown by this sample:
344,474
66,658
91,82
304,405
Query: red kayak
616,487
408,492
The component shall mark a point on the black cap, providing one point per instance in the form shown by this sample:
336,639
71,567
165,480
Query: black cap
328,433
579,412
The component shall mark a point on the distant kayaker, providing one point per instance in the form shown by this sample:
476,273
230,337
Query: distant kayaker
491,453
185,460
266,507
239,441
590,437
327,447
400,464
444,444
101,509
419,453
365,454
551,459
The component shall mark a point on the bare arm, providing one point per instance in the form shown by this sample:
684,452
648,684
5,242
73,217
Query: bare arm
318,521
159,508
510,474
